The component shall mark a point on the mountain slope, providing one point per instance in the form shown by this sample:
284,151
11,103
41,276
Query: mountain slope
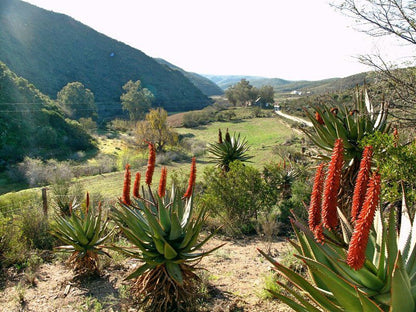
51,49
31,124
207,86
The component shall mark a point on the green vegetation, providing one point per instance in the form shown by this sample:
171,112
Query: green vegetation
156,129
229,149
136,100
83,232
244,94
77,101
31,124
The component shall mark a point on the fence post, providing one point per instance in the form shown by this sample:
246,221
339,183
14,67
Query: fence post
45,202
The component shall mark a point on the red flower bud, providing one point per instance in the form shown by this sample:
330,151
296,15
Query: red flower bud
192,177
332,185
316,200
359,239
361,182
136,185
126,187
150,164
162,183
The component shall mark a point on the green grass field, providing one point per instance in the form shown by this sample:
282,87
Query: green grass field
262,134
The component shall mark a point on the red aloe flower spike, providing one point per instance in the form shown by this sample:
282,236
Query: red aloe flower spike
150,163
162,183
319,118
316,199
87,204
361,182
219,136
192,178
136,185
126,187
359,239
331,188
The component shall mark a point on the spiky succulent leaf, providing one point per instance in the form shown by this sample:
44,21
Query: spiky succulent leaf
165,231
81,231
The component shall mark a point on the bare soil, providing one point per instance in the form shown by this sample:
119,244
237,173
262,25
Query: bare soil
234,278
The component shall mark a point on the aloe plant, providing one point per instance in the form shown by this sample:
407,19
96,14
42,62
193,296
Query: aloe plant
165,233
351,124
228,150
363,264
83,231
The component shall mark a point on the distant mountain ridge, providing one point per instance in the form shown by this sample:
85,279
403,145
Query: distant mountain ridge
207,86
283,86
51,49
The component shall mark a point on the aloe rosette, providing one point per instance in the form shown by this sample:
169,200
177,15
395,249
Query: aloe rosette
165,234
84,231
368,264
228,150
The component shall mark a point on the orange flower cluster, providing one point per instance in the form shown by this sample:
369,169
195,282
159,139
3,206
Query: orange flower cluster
126,187
365,200
359,239
136,185
162,183
361,182
331,188
150,164
315,224
192,178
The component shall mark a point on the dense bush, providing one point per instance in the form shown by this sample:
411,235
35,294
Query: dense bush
246,199
234,196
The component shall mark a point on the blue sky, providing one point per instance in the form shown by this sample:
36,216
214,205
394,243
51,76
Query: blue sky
296,40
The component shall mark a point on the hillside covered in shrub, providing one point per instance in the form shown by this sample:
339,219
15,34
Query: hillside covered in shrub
51,50
32,125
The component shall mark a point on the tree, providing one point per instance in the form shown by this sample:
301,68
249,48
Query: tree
156,129
136,99
77,101
242,93
382,18
265,95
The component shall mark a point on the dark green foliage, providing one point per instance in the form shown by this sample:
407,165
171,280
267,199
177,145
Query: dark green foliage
136,99
51,49
234,196
30,123
396,163
246,199
77,101
242,93
228,150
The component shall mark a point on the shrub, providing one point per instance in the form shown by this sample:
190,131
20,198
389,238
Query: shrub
35,228
234,196
12,247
